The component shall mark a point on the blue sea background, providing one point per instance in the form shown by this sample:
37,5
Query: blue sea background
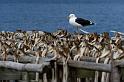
51,15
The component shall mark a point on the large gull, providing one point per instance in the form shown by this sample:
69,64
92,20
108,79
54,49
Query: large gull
79,22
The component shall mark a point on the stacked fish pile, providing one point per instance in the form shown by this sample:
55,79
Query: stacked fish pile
60,44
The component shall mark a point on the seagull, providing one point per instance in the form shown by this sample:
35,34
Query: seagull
79,22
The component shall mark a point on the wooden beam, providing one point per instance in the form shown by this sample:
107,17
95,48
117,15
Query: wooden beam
88,65
119,63
115,75
27,59
6,74
91,59
24,67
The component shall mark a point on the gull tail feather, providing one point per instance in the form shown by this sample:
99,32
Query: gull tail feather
84,31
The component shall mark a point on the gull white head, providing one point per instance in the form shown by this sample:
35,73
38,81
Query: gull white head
71,16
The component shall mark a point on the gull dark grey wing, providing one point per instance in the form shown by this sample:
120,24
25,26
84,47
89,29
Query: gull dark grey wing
83,22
